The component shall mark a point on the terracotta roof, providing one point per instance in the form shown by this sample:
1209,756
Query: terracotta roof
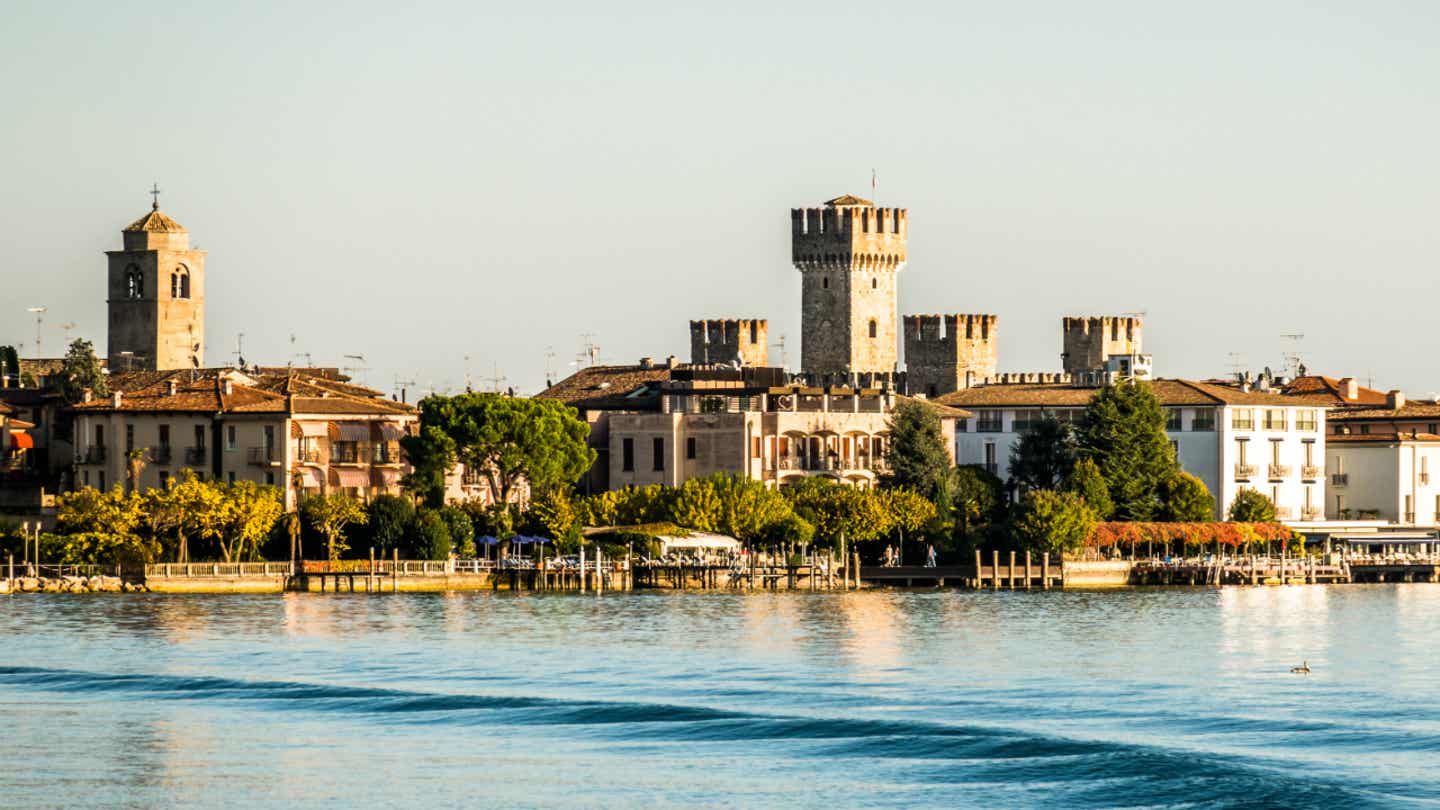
200,396
1065,395
203,391
601,388
1389,437
946,411
154,222
849,200
5,410
1421,409
350,405
1330,388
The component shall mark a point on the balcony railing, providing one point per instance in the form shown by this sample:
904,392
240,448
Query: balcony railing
989,426
1312,513
1280,471
262,456
94,454
1283,512
1242,424
828,463
308,455
160,455
1410,518
1340,480
1309,426
341,454
1198,425
1246,470
385,454
1424,477
194,456
1310,472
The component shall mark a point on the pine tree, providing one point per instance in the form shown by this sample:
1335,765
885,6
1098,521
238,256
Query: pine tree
1086,481
918,457
1045,454
1124,434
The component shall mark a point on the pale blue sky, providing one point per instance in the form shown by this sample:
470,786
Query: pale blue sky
416,182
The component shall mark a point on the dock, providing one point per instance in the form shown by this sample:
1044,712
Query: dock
1013,571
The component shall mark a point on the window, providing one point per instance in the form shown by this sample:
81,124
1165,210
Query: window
1174,419
1242,419
164,479
270,437
134,283
87,478
874,283
1275,419
659,444
627,455
712,405
345,453
269,478
1309,452
230,476
1027,419
229,437
1202,420
129,437
180,283
1241,446
1364,428
825,283
165,436
874,328
102,479
690,447
200,437
1275,452
754,332
755,446
989,422
990,458
1306,419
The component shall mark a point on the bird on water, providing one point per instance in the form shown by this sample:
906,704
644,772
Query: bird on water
1303,669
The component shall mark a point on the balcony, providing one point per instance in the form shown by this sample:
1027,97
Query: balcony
1340,480
1245,472
160,455
386,453
1424,477
1199,425
346,453
1310,472
1279,472
194,456
308,455
1312,513
1410,518
984,425
1242,424
262,456
1283,512
94,454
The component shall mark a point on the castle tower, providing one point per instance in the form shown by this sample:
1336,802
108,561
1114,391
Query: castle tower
848,254
945,353
156,297
1090,341
724,342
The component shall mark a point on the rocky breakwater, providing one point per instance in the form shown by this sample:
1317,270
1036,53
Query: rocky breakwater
73,584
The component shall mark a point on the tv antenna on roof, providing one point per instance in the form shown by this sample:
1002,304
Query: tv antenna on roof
1292,357
590,353
784,359
496,380
549,366
1237,364
467,374
67,326
360,368
39,321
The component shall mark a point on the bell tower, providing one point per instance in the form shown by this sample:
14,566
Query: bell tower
849,255
156,297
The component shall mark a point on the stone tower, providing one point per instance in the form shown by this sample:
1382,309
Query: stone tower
849,254
945,353
1090,341
742,341
156,297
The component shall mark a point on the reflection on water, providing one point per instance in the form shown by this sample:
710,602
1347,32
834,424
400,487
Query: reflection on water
883,699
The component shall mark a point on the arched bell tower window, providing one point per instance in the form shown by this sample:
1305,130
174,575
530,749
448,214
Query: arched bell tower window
134,283
874,328
180,283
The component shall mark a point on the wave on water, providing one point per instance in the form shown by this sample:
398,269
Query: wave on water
1084,772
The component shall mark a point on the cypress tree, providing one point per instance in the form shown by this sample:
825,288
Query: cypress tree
1124,434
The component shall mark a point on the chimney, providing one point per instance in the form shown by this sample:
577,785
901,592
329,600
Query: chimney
115,399
647,362
226,387
1349,389
672,361
170,387
1395,400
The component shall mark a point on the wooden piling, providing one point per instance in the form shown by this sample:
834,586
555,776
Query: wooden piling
977,582
1010,574
1028,574
370,579
995,569
1045,571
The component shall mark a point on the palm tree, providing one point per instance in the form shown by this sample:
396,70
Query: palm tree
135,460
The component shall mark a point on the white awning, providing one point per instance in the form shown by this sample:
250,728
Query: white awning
310,478
350,478
710,542
314,430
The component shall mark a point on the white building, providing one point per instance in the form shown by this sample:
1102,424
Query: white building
1380,459
1230,438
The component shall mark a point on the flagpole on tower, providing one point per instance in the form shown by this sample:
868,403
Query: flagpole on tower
874,187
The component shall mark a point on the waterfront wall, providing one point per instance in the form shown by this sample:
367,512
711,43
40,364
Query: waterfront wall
1096,573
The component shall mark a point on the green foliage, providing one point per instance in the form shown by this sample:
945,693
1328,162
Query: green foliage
330,515
1045,454
250,511
389,518
1045,520
907,511
553,515
81,370
431,456
838,512
462,531
430,536
979,499
1251,506
1185,499
696,505
511,441
102,528
790,529
1088,482
918,458
1124,434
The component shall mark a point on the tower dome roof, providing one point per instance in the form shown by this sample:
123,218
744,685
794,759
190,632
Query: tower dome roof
849,201
154,222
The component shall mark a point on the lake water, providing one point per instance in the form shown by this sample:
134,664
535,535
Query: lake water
883,699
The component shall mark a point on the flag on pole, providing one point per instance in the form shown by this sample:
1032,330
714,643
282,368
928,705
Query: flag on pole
874,185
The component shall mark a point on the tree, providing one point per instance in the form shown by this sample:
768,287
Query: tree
919,460
1251,506
135,459
1185,499
1086,481
462,531
102,527
510,441
1045,520
1124,434
907,511
553,512
431,456
329,515
696,505
250,511
202,508
978,500
838,512
1045,454
81,370
430,536
749,510
389,518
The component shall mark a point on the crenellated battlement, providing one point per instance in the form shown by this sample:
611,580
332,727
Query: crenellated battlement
1091,340
945,353
728,341
848,233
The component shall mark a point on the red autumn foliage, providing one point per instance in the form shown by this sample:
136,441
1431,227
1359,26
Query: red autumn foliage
1235,535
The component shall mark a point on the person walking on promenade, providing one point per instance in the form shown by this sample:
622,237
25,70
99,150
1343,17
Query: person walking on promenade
930,555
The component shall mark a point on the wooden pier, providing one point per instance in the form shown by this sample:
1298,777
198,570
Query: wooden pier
1014,571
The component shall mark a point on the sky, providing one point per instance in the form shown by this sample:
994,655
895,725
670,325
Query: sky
448,186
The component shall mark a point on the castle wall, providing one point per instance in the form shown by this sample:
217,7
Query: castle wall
945,353
723,342
1090,341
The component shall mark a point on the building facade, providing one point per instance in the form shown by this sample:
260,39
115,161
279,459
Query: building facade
156,297
945,353
849,254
